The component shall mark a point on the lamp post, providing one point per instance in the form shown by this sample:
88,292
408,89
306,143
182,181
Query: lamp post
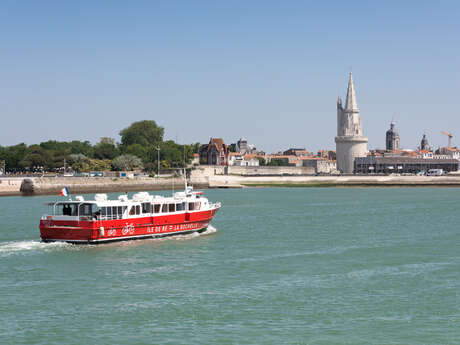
158,159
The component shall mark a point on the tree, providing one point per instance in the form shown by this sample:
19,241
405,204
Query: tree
232,147
13,155
83,147
278,162
126,162
144,133
36,157
261,161
138,151
100,164
105,149
79,162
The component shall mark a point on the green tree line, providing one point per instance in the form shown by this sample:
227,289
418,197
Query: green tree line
138,149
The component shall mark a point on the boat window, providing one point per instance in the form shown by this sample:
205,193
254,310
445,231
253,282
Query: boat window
138,209
146,207
109,212
194,206
156,208
180,207
132,211
172,207
86,210
66,210
164,209
103,211
115,214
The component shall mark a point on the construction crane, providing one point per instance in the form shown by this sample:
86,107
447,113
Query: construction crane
449,135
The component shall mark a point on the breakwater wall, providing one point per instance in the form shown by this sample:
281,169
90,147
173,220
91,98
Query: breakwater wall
335,181
81,185
211,170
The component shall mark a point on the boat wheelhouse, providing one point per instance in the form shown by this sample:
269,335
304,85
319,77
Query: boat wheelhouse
143,216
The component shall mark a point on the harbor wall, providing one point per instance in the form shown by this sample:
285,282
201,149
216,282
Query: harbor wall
211,170
335,181
81,185
10,185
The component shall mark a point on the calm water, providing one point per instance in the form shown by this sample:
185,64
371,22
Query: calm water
284,266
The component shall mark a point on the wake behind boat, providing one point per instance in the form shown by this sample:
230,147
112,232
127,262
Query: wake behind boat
143,216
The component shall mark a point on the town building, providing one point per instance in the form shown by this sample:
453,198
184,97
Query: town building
392,138
328,154
350,142
451,152
298,152
214,153
243,147
386,164
247,160
195,159
320,165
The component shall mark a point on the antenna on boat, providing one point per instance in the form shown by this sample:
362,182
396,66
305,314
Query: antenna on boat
185,180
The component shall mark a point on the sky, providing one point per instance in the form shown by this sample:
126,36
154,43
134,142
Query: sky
268,71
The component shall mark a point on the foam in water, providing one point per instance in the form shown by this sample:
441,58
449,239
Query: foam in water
22,247
208,231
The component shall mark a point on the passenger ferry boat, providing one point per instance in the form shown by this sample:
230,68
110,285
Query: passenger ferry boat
143,216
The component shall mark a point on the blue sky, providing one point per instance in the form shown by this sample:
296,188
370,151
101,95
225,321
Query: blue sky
269,71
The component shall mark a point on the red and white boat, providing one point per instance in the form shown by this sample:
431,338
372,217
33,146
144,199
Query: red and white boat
143,216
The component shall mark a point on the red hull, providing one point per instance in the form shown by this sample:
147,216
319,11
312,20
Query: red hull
96,231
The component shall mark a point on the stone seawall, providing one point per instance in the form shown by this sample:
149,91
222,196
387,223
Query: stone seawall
211,170
335,181
81,185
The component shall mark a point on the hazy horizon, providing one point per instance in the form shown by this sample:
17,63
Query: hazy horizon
267,71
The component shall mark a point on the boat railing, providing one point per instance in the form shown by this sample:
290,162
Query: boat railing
109,217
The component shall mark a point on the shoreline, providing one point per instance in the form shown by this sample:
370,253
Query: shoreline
48,186
351,185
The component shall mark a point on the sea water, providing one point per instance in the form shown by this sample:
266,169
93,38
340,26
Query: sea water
278,266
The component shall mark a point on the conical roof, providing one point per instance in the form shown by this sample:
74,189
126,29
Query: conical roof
351,103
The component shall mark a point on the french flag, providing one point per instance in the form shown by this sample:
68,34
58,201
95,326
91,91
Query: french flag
64,192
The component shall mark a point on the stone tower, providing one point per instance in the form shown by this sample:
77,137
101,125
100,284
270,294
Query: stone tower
392,138
424,144
350,142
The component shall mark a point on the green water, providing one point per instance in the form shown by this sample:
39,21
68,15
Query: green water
284,266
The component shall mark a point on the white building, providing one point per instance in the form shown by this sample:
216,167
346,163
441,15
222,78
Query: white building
350,142
452,152
238,159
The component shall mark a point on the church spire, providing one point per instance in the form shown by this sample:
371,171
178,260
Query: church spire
351,97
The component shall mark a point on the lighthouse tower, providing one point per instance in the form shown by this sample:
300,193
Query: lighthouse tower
350,142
